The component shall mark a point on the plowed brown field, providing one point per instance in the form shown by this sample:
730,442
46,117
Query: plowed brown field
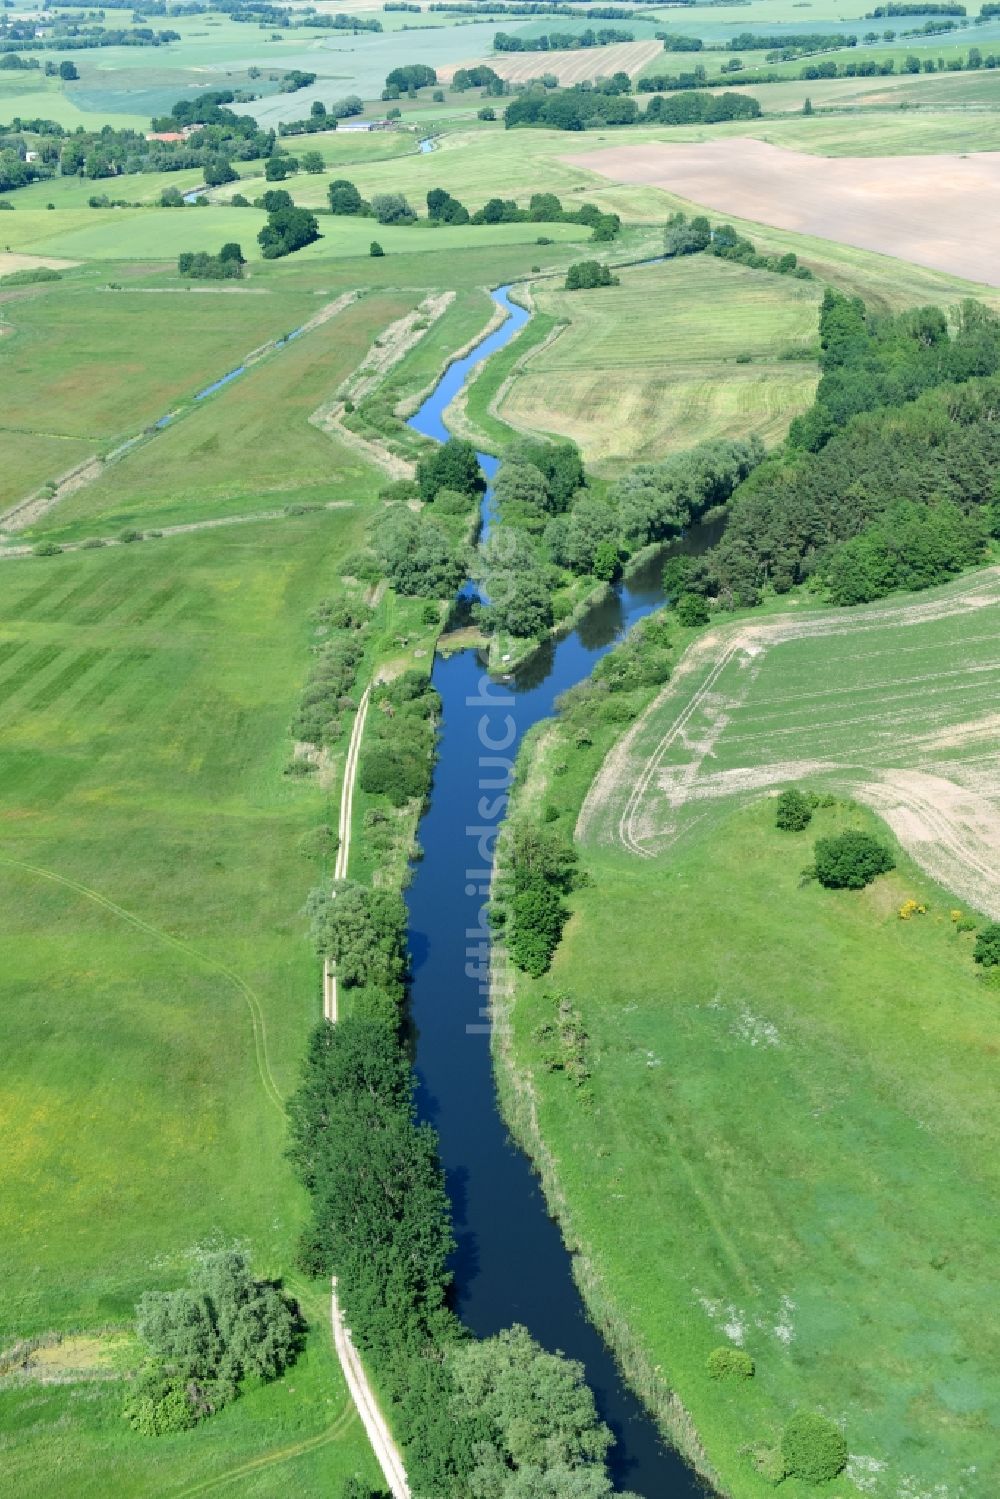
938,211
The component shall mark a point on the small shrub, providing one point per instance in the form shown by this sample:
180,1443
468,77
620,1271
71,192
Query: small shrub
911,908
129,535
987,948
730,1363
851,860
320,843
744,359
792,811
45,549
813,1448
375,249
90,543
691,610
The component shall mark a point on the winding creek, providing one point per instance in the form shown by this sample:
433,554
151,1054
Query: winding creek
511,1264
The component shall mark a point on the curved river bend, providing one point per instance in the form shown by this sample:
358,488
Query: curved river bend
511,1264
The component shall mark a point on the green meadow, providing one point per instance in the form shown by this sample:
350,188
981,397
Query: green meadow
158,988
791,1115
650,366
790,1094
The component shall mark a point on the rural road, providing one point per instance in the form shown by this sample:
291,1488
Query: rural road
374,1422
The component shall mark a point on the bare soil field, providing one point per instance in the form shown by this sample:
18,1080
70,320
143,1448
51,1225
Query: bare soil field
938,211
11,261
893,704
578,65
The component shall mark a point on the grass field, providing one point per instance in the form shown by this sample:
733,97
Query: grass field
649,367
788,1139
225,458
152,910
76,362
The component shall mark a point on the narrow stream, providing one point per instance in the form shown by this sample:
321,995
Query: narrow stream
511,1265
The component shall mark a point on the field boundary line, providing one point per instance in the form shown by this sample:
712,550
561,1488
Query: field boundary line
253,1003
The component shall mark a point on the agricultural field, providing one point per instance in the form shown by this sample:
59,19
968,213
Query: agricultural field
578,65
847,1246
220,458
84,379
893,704
876,204
649,367
152,909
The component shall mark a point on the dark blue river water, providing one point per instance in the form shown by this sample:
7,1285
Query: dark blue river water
511,1264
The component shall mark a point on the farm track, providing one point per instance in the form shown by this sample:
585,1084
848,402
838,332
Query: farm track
182,530
951,830
383,1445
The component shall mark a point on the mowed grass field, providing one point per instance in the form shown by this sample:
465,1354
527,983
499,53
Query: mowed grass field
248,446
893,704
158,986
649,367
84,366
789,1142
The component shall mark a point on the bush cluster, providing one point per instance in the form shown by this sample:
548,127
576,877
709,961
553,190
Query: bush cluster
400,733
334,670
202,1343
851,860
539,868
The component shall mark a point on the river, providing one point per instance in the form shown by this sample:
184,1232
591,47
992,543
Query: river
511,1264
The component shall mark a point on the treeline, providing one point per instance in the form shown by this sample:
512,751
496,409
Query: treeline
934,8
345,199
323,117
813,41
887,482
580,109
535,8
691,237
328,691
537,869
199,265
557,41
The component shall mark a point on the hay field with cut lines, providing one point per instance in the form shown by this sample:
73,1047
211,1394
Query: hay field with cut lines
894,704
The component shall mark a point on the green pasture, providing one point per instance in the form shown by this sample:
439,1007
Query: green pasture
158,988
788,1142
649,367
247,447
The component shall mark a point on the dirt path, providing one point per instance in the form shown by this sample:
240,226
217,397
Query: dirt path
182,530
374,1422
391,346
344,833
952,830
248,995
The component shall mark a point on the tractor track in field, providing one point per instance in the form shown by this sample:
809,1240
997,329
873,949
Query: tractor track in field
952,831
251,1000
